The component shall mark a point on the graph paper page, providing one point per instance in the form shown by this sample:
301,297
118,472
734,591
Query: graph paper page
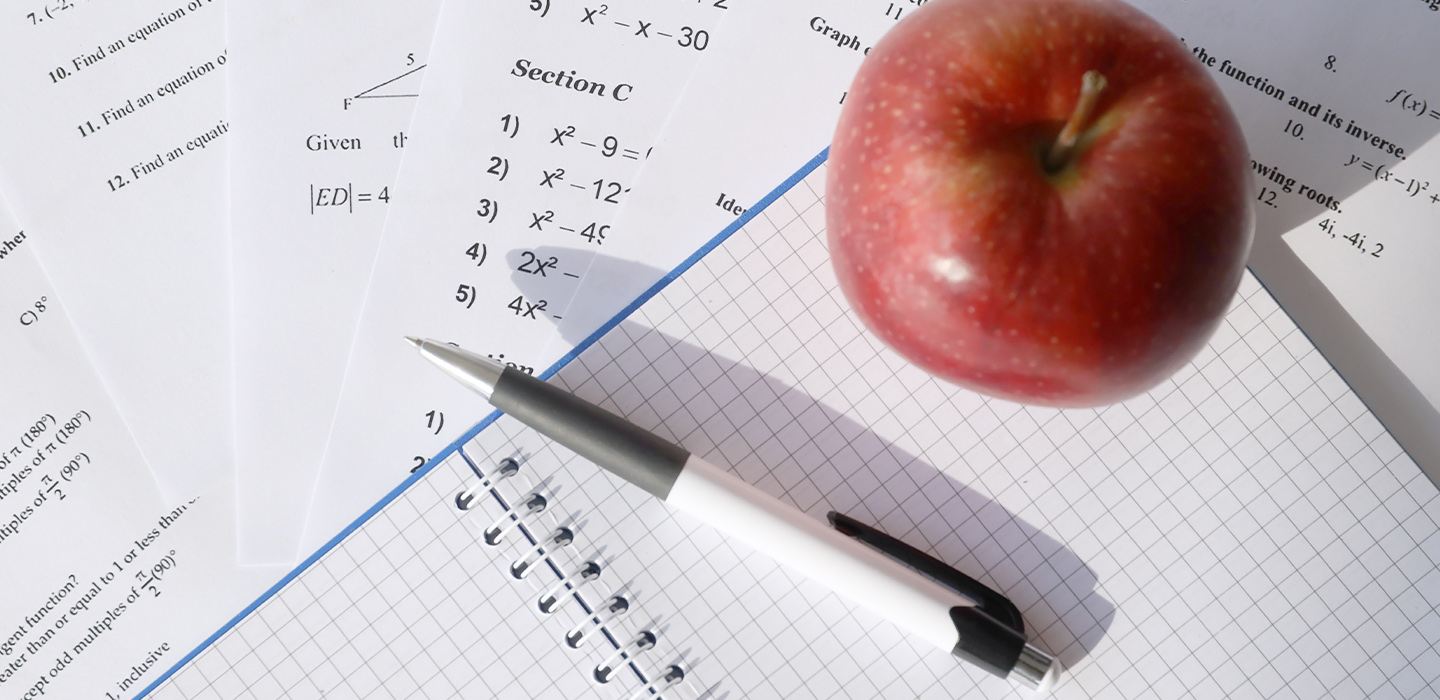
1247,529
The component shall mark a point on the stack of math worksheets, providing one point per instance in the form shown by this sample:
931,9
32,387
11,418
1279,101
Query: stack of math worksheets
218,456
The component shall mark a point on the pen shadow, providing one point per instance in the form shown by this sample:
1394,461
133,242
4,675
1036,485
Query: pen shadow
805,453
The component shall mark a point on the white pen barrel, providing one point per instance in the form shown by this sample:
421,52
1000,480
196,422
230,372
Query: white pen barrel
851,569
937,613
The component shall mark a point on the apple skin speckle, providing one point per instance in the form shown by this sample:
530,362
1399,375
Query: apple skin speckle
958,248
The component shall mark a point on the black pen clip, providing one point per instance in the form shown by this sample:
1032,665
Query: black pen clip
987,600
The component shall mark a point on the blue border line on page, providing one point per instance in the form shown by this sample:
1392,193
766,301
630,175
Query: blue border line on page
450,449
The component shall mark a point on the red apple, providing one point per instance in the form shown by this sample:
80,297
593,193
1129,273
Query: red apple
1076,274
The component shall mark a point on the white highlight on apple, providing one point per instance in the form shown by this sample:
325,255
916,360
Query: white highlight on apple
951,269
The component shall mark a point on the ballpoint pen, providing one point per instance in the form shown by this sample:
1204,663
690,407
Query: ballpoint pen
896,581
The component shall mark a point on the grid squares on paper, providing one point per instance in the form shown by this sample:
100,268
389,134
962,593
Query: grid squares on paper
1194,541
413,605
1246,529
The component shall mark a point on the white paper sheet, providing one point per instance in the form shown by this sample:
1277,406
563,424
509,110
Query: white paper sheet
105,585
535,119
321,98
112,134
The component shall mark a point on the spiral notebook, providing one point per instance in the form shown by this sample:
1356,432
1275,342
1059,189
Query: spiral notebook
1246,529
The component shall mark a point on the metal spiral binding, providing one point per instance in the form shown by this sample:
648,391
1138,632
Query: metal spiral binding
530,507
557,594
557,539
667,680
465,500
641,642
609,610
597,620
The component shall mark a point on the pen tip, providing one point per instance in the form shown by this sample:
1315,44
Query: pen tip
414,342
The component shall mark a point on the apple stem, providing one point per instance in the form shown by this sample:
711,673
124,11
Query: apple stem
1091,84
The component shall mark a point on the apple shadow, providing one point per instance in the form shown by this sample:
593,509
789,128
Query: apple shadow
812,459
